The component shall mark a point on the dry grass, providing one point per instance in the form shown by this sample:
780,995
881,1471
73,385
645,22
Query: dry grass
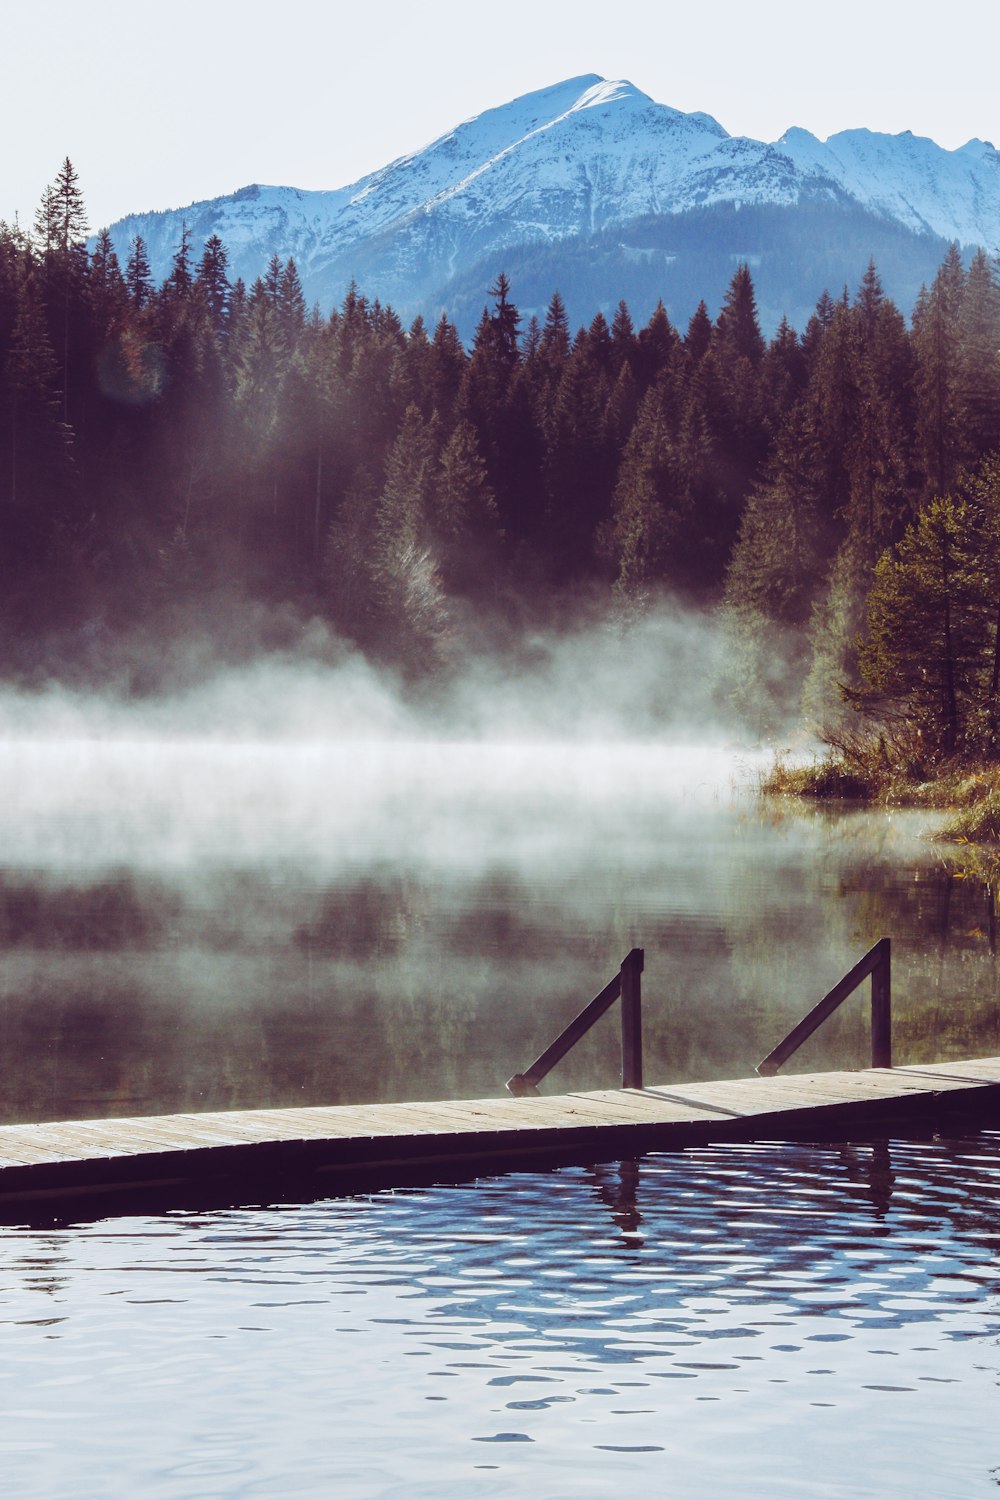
977,821
887,769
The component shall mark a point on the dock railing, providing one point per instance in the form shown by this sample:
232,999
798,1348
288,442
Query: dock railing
877,963
628,984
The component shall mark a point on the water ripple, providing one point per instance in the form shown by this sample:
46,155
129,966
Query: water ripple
676,1320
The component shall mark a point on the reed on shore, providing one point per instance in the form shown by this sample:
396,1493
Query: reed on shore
886,769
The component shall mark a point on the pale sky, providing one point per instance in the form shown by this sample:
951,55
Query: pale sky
161,105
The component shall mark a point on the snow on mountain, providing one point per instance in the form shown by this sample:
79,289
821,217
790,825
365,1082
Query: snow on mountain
563,164
954,194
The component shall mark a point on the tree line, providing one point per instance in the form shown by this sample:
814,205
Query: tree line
165,447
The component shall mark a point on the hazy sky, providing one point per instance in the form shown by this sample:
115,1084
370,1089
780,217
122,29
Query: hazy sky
160,105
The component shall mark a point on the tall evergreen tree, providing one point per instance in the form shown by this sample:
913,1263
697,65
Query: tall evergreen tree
555,341
935,348
106,289
698,339
776,564
977,362
36,461
61,218
180,279
624,344
446,367
61,227
138,276
924,636
646,522
463,511
878,461
291,302
737,327
212,280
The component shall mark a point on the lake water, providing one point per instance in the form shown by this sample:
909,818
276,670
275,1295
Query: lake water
211,925
754,1320
206,923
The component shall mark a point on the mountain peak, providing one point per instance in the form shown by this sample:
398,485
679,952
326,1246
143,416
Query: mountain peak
796,135
571,164
609,91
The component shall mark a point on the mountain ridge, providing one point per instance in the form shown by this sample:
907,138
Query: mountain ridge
562,165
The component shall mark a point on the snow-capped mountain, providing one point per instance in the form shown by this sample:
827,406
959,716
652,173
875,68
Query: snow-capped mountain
595,185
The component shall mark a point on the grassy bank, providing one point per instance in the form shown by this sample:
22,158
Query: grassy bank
887,771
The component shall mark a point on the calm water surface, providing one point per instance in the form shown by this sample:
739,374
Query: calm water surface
211,924
753,1321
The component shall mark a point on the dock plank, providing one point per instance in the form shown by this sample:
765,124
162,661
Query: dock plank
261,1148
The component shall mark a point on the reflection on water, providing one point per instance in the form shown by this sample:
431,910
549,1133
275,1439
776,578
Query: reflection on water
755,1320
205,925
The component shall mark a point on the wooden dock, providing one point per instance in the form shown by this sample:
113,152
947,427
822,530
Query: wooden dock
264,1154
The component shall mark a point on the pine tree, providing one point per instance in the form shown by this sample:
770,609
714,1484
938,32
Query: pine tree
555,340
212,282
976,375
622,408
776,564
579,464
878,462
981,493
446,368
737,328
698,339
61,227
782,376
646,524
417,360
504,322
531,341
291,302
727,383
835,626
598,347
496,399
405,502
348,559
13,256
61,218
624,344
180,279
773,577
659,347
270,282
463,510
36,460
106,288
833,401
138,276
409,598
923,637
816,328
935,348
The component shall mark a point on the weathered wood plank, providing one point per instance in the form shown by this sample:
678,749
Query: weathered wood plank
47,1161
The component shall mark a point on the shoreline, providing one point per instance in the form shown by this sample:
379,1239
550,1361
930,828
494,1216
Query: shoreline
866,774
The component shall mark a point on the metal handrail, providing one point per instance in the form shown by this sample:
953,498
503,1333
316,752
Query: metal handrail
628,984
877,962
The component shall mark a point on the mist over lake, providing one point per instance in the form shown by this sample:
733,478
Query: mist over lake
218,901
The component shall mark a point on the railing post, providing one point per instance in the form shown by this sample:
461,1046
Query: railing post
882,1007
631,973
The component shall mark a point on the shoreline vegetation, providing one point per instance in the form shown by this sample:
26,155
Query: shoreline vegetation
882,769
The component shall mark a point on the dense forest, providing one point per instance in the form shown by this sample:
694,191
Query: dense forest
171,452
